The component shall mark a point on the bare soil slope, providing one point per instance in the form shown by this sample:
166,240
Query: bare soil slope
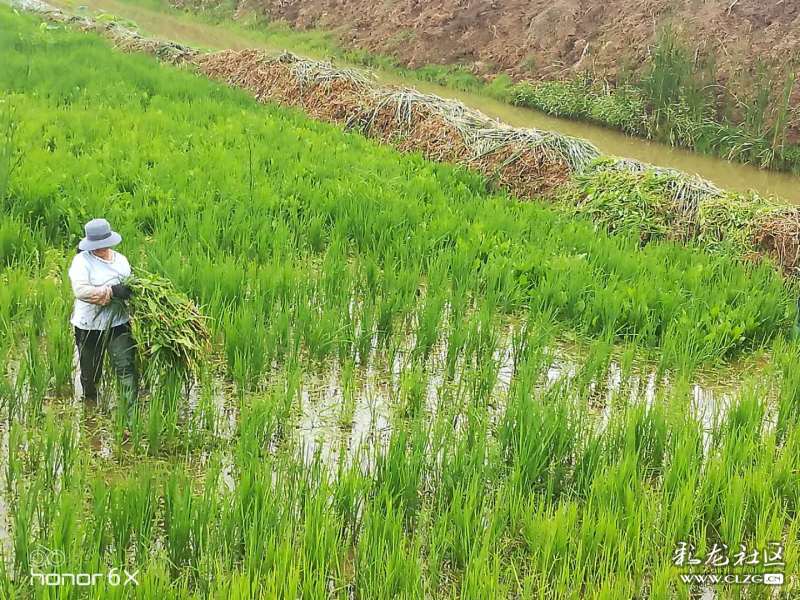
550,38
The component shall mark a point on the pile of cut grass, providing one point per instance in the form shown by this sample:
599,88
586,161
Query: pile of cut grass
172,334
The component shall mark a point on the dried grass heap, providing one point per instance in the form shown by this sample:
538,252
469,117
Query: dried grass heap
526,162
776,234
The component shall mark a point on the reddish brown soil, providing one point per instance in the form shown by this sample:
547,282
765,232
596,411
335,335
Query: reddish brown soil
550,38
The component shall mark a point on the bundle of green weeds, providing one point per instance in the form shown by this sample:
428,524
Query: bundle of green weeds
171,333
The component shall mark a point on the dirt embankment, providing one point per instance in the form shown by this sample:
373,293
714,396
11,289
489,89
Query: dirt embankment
551,38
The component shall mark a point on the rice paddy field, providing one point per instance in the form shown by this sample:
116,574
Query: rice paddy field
414,386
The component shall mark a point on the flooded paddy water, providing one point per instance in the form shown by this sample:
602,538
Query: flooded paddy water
341,412
338,417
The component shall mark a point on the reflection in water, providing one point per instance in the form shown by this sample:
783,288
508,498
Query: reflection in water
6,539
321,428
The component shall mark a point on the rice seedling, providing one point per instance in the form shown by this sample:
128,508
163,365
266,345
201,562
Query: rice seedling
349,389
10,155
206,416
59,349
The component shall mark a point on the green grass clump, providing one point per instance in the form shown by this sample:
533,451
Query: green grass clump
625,202
172,335
557,98
674,99
625,196
727,222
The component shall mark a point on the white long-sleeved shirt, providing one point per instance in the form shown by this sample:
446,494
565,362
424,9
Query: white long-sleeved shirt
89,274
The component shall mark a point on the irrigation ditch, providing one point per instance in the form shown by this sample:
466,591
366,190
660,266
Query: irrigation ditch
620,194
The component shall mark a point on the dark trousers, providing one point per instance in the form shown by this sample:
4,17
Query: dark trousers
121,347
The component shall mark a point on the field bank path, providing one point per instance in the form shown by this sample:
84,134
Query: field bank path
191,30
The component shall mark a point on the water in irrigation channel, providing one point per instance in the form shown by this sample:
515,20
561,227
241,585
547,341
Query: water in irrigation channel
725,174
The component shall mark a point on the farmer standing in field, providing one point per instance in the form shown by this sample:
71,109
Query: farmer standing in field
96,274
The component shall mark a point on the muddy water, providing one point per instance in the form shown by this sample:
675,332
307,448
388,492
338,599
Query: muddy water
725,174
326,427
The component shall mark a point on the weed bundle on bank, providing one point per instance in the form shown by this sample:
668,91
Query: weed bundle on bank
727,222
688,190
325,92
171,333
526,162
658,203
171,52
776,233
